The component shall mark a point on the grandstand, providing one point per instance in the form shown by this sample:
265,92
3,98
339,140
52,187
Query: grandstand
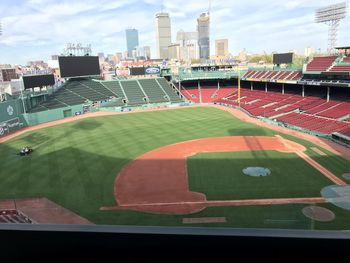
14,217
328,64
271,75
172,96
130,92
342,65
134,93
312,112
208,91
154,95
316,99
320,64
312,108
340,68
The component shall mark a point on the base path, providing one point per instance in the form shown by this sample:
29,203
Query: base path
157,181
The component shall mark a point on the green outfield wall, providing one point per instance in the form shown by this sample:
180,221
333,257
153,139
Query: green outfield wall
55,114
11,116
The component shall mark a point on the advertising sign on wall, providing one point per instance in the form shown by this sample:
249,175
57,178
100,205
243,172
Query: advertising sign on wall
123,72
152,70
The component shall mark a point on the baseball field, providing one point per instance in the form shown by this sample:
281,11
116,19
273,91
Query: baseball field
178,167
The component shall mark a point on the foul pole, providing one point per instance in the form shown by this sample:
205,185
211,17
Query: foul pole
239,89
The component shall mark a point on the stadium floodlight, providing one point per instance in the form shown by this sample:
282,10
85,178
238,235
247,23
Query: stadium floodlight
77,49
331,15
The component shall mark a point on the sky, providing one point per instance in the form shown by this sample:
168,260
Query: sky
37,29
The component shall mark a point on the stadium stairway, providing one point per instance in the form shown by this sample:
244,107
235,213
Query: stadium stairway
134,93
163,84
152,90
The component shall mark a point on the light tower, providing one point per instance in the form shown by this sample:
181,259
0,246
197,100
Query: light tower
77,50
331,15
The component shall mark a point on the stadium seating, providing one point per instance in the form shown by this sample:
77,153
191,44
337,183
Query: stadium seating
168,90
319,64
321,107
222,93
345,131
53,103
191,94
339,110
347,59
115,87
68,97
340,68
209,94
98,87
316,114
273,75
135,95
13,217
314,123
268,104
152,90
85,91
135,92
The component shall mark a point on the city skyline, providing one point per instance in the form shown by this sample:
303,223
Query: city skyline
36,29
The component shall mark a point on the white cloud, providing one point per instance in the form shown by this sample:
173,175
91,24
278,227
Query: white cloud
44,26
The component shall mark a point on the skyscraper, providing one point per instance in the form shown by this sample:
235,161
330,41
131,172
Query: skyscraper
203,22
143,52
132,40
188,44
221,48
174,51
147,50
163,34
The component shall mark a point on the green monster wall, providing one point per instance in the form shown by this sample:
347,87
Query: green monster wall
11,116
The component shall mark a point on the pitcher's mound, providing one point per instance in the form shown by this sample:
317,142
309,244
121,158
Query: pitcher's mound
318,213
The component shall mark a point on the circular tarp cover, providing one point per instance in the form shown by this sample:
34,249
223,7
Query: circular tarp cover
256,171
318,213
337,195
346,176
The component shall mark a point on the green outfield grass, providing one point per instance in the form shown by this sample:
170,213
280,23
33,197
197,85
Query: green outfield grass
75,164
220,177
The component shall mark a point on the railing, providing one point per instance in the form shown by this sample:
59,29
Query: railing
207,75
